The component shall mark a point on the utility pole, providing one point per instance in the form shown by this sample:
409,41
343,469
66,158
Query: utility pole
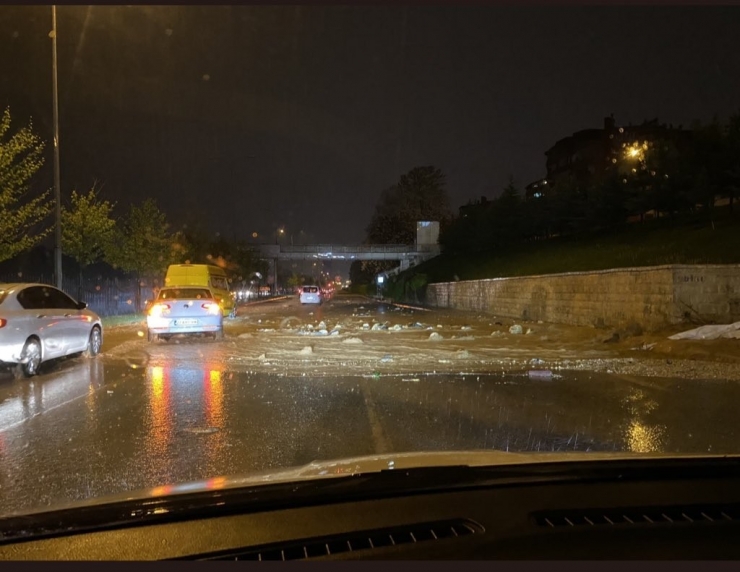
57,189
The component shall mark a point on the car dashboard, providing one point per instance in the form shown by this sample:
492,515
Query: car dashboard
674,512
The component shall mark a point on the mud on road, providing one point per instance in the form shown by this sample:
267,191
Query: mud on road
355,335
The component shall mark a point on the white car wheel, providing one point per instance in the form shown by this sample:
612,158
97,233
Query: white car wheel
94,343
31,358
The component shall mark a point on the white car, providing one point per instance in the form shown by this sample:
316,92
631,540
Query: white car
184,310
39,322
310,295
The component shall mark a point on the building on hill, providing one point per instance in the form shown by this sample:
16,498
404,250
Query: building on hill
588,156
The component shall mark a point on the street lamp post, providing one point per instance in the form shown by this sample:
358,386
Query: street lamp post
57,189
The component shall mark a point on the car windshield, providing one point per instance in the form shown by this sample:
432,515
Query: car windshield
428,229
185,294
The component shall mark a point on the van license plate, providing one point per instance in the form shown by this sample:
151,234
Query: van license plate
186,322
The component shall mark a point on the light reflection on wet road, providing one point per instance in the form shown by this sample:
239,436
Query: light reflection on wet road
94,430
88,428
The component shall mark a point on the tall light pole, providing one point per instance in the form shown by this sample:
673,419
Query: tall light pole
57,189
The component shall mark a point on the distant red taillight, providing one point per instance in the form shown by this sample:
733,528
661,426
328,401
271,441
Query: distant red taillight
3,321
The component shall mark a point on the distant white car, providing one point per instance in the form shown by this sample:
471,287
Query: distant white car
39,322
310,295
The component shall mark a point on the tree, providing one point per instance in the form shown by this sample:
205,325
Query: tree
238,259
21,156
507,223
569,206
143,244
420,195
361,273
195,242
707,164
294,281
607,202
731,182
417,283
87,228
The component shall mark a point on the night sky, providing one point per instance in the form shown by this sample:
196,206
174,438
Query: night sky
255,116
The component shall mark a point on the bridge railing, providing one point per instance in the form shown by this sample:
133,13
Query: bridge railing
362,249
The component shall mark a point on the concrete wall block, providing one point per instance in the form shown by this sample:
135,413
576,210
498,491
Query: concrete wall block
652,297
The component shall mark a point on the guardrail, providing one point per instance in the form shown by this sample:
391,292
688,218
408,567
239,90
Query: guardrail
343,249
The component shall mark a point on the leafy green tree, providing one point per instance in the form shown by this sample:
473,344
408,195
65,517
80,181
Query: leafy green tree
21,156
88,230
143,244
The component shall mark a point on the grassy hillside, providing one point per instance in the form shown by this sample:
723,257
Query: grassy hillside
654,243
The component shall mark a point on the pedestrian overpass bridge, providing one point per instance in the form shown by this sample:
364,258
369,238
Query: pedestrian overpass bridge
425,247
406,254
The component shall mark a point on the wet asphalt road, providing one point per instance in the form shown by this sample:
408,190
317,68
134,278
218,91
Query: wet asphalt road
91,427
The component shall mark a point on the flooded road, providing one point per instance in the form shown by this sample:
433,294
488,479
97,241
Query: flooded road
147,415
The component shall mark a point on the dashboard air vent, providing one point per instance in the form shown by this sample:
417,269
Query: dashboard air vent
365,540
630,516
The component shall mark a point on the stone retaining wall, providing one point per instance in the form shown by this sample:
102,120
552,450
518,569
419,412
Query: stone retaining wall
651,297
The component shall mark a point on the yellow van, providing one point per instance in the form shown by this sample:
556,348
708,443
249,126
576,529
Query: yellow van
206,275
